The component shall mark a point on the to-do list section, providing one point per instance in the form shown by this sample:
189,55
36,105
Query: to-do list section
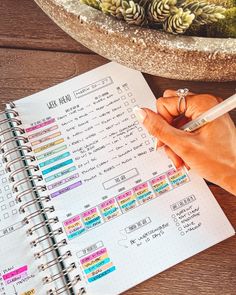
102,131
86,136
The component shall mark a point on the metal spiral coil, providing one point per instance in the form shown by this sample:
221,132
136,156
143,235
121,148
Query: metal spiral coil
11,120
32,202
10,111
12,129
30,190
49,279
22,154
50,249
51,263
22,169
17,160
40,239
24,180
41,224
67,287
27,219
27,149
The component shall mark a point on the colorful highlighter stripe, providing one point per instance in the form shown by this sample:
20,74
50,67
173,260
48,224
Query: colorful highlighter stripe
110,209
55,159
59,174
74,227
51,136
127,201
15,275
56,167
47,146
41,125
66,189
91,218
48,154
160,184
143,193
43,132
97,265
177,177
63,181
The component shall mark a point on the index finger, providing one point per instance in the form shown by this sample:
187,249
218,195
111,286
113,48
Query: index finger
167,107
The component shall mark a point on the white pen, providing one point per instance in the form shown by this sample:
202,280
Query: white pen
210,115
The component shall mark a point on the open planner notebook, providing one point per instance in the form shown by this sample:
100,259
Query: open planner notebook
86,204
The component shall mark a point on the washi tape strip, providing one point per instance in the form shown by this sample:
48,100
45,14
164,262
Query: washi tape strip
41,125
51,136
43,132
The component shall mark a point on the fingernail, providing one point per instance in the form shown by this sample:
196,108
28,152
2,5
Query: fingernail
140,114
156,144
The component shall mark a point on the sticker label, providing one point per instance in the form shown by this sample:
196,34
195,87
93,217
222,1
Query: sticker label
127,201
143,193
160,184
97,265
110,209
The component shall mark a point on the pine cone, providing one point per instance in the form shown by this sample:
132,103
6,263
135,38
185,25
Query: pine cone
159,10
179,21
112,7
204,13
92,3
133,13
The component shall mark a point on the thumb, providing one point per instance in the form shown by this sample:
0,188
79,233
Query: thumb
158,127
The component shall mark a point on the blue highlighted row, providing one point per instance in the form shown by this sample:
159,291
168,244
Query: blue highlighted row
58,166
61,173
92,221
57,158
76,233
128,204
140,197
109,212
102,274
97,265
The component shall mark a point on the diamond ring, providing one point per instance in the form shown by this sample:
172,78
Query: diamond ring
182,93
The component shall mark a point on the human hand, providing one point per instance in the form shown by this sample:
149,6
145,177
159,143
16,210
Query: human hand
210,151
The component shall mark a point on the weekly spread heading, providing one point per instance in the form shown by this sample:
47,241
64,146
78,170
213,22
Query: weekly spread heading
87,206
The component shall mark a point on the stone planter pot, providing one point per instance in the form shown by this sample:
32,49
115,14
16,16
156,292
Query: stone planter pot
147,50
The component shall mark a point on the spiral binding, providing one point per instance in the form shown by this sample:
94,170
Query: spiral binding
12,119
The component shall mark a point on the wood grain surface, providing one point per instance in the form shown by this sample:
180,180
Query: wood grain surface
36,54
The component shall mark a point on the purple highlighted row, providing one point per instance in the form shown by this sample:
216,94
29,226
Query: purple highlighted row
66,189
63,181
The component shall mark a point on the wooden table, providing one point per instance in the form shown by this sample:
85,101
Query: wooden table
36,54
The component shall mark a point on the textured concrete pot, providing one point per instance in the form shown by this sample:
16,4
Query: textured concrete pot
147,50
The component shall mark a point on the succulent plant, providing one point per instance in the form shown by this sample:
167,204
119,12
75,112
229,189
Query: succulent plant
173,16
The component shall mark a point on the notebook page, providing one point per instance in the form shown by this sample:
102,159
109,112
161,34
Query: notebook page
18,269
127,214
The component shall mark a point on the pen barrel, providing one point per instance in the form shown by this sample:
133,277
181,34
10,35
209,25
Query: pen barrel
212,114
